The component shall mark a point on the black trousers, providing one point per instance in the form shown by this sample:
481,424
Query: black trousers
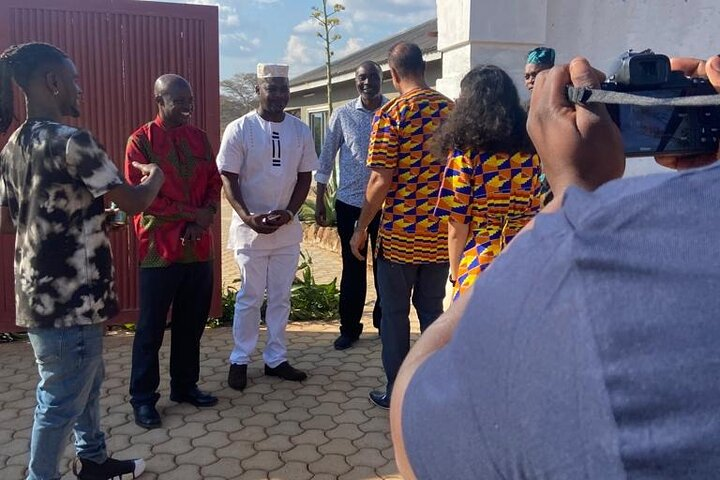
188,288
353,282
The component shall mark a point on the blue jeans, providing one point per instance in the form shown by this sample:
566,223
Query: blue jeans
401,283
71,370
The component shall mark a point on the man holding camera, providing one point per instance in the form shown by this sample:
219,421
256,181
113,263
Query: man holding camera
601,360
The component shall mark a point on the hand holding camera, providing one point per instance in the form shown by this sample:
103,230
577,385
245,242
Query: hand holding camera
585,144
661,110
693,67
579,144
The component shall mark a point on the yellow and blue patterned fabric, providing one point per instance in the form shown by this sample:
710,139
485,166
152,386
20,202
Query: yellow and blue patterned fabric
496,194
410,232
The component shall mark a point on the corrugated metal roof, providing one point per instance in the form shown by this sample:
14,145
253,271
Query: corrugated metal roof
424,35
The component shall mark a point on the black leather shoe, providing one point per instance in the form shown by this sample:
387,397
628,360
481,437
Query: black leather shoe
194,397
344,342
286,372
381,399
147,416
237,376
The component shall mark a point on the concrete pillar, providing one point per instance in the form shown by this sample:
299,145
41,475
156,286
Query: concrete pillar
471,32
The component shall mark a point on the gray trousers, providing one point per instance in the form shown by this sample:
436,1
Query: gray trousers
398,284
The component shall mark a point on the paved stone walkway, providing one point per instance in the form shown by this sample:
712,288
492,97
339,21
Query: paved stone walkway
324,428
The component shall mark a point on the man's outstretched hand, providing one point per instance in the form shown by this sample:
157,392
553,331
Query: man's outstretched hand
578,144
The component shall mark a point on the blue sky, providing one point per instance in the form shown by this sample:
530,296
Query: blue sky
253,31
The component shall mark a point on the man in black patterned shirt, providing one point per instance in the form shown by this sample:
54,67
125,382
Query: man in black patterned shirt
53,178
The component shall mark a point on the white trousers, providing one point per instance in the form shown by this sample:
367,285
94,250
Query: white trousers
272,270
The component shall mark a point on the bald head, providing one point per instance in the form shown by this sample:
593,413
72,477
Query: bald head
168,81
174,98
407,60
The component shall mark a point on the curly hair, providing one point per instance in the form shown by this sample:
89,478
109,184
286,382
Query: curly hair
21,62
487,116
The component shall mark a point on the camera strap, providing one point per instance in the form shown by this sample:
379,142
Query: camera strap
583,95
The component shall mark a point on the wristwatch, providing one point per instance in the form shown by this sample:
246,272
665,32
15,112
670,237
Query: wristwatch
451,280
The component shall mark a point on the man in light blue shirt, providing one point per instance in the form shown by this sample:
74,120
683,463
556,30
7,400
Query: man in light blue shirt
589,348
349,134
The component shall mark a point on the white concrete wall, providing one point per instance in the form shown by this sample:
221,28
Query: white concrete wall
501,32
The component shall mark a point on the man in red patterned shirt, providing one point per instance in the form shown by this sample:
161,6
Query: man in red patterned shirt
175,250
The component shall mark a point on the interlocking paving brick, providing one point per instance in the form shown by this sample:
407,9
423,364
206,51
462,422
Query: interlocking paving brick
332,409
184,472
241,450
332,464
175,446
212,439
199,456
270,406
377,440
13,471
291,470
152,437
356,417
303,401
227,425
161,462
265,461
345,430
223,468
339,446
190,430
333,397
359,473
15,447
261,420
367,457
276,443
379,424
321,422
301,453
253,475
251,434
389,470
285,427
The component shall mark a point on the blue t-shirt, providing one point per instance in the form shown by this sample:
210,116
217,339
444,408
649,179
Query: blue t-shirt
589,349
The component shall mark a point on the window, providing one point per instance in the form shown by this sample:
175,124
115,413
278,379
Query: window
317,127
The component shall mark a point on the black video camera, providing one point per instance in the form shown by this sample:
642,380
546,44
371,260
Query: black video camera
661,130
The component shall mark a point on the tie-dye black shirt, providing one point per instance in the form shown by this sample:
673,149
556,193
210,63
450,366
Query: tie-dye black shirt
52,179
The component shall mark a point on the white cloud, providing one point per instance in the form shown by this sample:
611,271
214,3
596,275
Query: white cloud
302,54
352,45
238,42
307,26
407,13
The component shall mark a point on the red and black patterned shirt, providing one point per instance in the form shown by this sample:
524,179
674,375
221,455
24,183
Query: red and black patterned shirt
191,182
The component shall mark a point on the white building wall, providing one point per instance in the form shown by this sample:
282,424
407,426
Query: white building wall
501,32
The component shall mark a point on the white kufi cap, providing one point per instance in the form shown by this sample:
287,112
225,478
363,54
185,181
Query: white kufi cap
269,70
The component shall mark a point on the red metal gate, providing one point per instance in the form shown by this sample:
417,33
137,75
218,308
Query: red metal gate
120,47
